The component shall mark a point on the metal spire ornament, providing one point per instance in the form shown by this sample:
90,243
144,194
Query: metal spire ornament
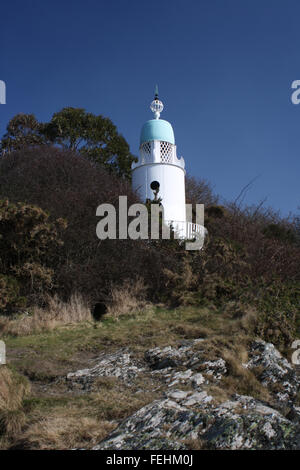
156,106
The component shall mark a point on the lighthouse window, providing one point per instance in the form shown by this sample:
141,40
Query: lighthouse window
166,152
155,185
146,151
147,148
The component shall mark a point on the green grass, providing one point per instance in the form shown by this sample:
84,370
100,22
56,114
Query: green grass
52,410
44,357
157,326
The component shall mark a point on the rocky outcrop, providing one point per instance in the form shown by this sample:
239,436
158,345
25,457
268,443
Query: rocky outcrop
275,372
170,423
188,412
120,364
184,356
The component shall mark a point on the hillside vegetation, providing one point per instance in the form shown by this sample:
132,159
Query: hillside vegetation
66,296
49,247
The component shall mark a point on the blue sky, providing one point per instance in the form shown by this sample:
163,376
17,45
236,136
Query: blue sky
224,70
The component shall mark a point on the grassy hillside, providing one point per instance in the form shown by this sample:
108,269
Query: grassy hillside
67,297
53,416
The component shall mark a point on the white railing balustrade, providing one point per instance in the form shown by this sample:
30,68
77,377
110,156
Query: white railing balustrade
187,230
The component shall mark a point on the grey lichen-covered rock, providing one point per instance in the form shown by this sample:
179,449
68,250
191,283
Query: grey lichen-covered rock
243,423
187,409
163,424
173,365
120,364
274,372
196,398
185,355
216,369
170,356
178,394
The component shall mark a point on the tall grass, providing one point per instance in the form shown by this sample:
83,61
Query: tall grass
57,313
13,389
126,298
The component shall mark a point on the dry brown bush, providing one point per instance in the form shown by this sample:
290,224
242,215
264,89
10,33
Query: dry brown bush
80,421
196,444
63,182
63,432
268,253
13,389
199,191
57,313
129,297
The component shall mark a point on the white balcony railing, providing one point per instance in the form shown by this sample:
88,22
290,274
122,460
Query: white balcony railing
187,230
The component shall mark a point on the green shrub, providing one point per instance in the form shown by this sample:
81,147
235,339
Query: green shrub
9,293
280,232
29,252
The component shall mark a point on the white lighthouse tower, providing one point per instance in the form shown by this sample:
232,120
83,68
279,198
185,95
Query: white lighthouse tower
159,168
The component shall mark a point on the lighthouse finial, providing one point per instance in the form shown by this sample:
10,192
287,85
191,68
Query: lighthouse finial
156,106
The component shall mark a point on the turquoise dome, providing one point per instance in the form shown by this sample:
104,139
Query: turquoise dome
157,129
